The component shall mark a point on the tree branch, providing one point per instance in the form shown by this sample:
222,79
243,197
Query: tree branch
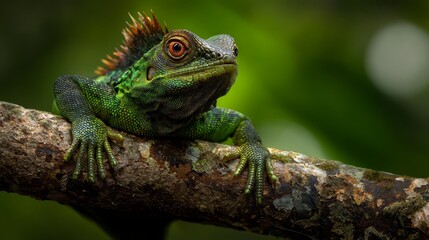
191,181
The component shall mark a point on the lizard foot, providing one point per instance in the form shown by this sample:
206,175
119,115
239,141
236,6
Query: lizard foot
256,157
90,137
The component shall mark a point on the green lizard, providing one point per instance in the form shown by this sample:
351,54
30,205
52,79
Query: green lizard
160,84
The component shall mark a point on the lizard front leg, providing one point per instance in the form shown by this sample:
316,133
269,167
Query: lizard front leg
219,124
75,100
255,156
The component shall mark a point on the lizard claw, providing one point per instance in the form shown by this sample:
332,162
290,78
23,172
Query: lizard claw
270,172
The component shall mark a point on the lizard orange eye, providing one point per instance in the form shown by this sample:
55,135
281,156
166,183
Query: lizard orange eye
176,49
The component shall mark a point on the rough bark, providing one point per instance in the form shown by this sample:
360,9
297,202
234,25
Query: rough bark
320,199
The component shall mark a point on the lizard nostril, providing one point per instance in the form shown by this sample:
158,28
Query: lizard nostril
235,51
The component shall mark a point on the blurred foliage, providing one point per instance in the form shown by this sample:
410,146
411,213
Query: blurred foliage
302,79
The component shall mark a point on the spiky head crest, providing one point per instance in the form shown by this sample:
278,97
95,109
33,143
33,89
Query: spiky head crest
139,37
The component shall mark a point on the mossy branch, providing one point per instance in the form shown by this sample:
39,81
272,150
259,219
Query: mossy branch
320,199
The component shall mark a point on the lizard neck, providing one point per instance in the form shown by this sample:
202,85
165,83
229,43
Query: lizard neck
168,111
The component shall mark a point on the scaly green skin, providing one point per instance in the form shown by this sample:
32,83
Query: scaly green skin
160,95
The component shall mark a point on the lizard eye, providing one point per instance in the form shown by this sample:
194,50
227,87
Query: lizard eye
176,49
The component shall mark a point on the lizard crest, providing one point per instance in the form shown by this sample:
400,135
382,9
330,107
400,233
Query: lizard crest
139,37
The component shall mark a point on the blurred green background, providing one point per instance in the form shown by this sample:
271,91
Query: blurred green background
344,80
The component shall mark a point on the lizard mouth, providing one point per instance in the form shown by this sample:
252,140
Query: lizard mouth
207,71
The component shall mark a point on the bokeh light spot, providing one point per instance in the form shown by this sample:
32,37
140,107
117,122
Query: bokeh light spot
397,59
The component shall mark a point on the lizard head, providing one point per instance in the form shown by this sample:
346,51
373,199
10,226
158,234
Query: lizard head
184,56
183,77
